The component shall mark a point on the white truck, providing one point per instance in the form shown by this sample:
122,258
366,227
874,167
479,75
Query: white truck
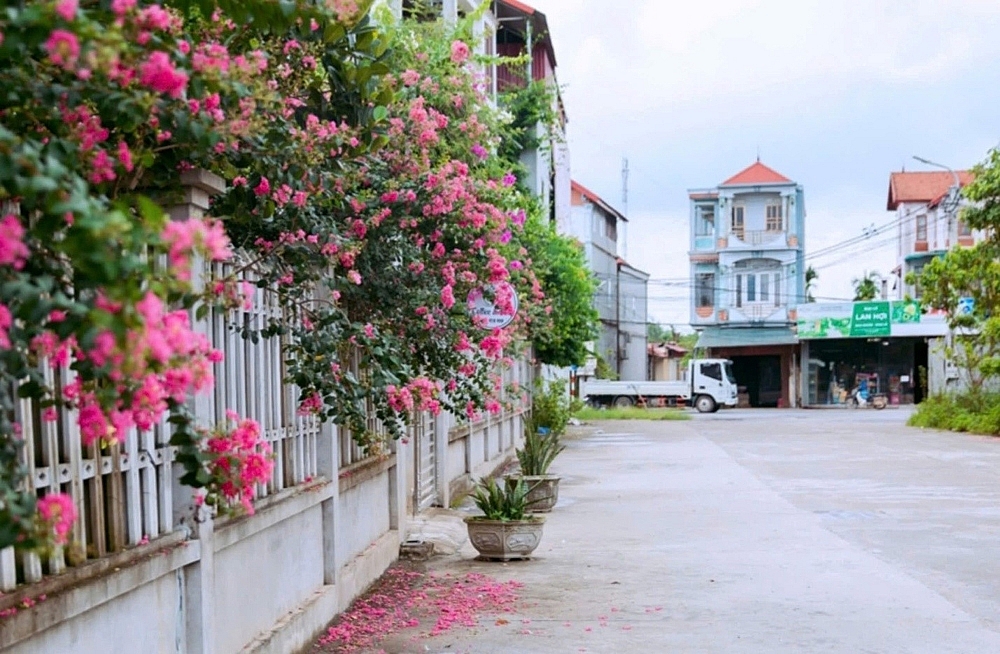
710,385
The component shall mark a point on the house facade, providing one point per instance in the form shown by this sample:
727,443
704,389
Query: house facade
928,224
747,276
621,298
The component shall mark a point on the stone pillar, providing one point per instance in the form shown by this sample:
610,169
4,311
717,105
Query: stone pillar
328,463
198,585
442,425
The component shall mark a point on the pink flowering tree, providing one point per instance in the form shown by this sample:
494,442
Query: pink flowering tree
104,106
365,193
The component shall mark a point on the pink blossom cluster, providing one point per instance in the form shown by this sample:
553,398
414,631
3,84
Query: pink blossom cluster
185,238
13,251
163,359
418,394
239,459
57,513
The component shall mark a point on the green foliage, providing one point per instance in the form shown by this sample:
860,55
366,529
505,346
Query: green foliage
977,413
550,407
630,413
968,272
867,287
538,453
972,273
559,262
502,501
811,277
604,370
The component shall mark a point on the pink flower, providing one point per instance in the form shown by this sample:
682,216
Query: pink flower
410,77
125,156
6,320
263,188
459,52
447,297
66,9
122,7
159,74
354,277
63,48
13,251
59,513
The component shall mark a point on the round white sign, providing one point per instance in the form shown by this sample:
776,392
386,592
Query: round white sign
485,313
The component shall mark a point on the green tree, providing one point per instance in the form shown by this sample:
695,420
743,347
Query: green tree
948,283
867,287
560,264
811,277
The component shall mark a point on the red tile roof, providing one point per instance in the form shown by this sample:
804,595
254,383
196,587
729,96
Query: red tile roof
520,6
756,173
596,199
926,186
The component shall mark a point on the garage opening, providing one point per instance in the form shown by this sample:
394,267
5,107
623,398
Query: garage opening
759,377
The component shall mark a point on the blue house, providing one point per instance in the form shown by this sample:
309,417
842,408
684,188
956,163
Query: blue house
747,275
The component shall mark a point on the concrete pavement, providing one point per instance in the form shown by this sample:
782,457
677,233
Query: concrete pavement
758,531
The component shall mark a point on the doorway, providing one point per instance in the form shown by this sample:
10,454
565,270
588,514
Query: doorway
761,376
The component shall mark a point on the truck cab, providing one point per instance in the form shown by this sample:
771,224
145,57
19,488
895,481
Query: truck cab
713,384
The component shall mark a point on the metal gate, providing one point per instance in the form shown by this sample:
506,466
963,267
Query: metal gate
425,463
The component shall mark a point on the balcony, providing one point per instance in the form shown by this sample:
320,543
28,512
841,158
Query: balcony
758,238
757,312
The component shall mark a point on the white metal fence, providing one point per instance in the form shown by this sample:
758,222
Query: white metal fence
123,493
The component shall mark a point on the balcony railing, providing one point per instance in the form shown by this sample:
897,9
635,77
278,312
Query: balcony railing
757,312
758,236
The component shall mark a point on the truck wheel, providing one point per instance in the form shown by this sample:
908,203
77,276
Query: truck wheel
623,401
705,404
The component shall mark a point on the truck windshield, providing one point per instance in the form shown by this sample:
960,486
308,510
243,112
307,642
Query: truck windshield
729,373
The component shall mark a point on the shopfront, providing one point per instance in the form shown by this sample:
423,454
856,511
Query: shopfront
880,345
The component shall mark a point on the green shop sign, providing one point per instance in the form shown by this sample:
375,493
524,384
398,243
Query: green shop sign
854,319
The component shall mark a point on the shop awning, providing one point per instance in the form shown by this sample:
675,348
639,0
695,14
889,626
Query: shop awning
746,336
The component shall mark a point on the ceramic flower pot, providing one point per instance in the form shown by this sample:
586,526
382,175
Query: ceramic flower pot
543,491
505,540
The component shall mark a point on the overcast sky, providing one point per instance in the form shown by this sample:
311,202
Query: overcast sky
835,94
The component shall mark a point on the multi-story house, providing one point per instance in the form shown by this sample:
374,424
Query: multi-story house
747,276
928,223
621,298
546,162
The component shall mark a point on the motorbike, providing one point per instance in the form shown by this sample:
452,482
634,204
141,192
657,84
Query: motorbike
861,399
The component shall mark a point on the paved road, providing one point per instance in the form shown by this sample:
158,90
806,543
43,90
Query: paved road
761,532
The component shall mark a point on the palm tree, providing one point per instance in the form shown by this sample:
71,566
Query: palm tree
811,277
867,287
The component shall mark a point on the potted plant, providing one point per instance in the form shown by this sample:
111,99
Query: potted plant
506,530
550,413
540,449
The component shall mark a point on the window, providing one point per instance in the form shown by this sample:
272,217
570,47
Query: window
921,228
739,291
777,289
736,226
705,222
751,288
963,229
610,228
712,370
775,223
765,287
705,290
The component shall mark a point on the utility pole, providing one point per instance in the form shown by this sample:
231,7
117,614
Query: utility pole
951,205
625,207
618,318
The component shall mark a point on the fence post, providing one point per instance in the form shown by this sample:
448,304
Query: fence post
442,425
199,578
328,465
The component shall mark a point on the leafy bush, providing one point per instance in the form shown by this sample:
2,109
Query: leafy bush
502,502
538,453
977,413
550,407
